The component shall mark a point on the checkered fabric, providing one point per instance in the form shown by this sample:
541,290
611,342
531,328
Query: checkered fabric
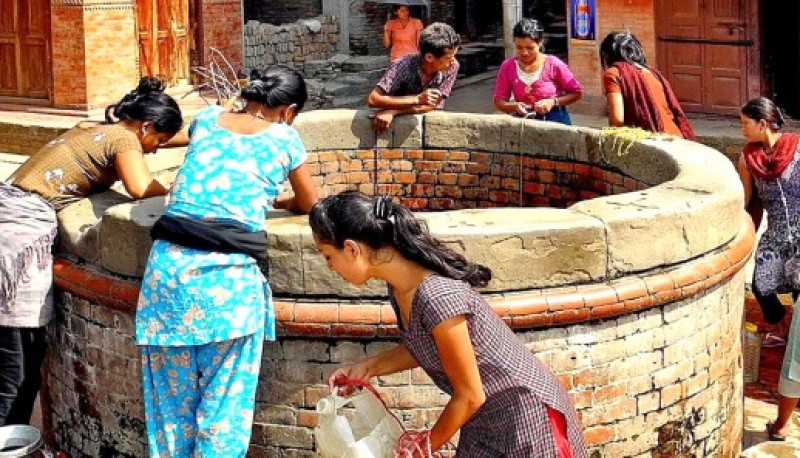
514,421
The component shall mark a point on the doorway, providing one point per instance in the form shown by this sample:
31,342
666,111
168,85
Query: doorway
164,38
781,56
705,49
25,49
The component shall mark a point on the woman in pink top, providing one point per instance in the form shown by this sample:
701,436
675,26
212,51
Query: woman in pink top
542,85
402,33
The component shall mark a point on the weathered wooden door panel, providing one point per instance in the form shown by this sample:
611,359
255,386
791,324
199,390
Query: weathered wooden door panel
8,47
164,39
686,74
34,47
24,48
715,34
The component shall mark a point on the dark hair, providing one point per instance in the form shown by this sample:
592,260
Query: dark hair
528,28
436,38
621,47
148,103
279,85
764,109
378,222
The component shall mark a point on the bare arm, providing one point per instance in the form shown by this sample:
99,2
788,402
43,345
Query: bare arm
388,362
378,98
461,366
387,37
616,109
179,139
305,194
506,106
136,177
747,179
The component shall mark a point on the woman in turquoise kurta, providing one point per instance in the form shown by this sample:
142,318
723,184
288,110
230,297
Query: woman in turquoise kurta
205,308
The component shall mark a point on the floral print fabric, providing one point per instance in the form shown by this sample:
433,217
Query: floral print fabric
192,297
181,421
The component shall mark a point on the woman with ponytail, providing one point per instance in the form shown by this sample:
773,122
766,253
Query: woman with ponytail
79,163
768,167
205,308
503,399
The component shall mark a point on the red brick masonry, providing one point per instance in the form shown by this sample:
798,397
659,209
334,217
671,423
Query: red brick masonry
558,306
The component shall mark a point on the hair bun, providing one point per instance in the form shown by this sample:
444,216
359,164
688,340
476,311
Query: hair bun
149,85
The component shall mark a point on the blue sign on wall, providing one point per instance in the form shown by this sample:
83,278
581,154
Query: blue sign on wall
583,13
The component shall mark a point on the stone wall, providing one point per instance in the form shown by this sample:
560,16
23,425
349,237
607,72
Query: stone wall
278,12
289,44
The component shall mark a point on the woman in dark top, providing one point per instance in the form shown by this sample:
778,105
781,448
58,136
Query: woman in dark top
503,399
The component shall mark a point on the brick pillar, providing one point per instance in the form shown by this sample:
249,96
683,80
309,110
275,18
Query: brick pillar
95,52
636,16
221,25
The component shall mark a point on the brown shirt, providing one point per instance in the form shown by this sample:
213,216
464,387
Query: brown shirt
611,84
77,164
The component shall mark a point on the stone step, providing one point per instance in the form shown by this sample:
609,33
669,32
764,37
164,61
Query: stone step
10,162
350,102
364,63
338,88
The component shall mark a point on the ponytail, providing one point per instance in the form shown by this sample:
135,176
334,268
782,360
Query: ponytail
147,103
277,86
378,222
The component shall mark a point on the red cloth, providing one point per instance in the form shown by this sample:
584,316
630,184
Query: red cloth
559,425
639,108
769,166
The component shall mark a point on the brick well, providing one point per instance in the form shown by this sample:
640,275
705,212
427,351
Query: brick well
640,317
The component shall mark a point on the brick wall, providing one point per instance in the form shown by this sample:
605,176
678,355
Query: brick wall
222,29
658,377
281,11
111,53
444,180
94,53
636,16
69,54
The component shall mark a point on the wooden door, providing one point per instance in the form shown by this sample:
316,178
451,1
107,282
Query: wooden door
704,49
25,48
163,29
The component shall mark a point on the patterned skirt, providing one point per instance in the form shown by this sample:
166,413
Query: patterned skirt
28,229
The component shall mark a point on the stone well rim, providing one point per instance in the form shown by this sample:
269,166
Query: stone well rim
684,214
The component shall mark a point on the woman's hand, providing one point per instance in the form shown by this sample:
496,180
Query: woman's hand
544,106
359,371
523,109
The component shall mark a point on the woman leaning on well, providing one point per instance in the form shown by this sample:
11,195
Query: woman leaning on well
79,163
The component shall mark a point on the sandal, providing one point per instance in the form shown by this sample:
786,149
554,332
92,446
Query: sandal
772,434
773,340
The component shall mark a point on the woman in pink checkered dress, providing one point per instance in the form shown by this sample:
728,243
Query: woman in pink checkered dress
504,401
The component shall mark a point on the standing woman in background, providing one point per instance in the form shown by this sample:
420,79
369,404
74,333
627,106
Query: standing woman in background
770,174
638,95
204,307
77,164
401,34
542,84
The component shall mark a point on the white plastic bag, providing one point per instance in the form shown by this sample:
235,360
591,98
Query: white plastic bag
372,433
